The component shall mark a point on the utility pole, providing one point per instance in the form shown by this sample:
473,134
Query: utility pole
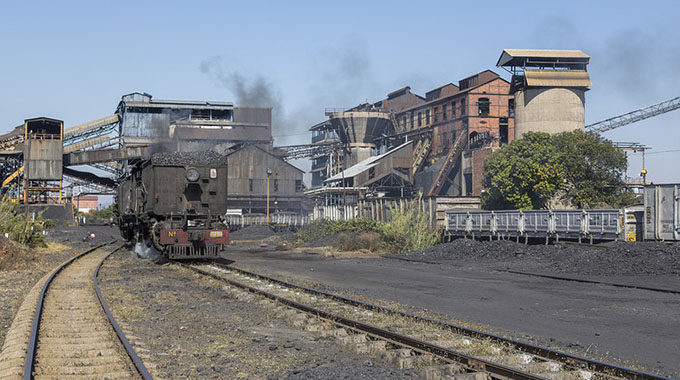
269,173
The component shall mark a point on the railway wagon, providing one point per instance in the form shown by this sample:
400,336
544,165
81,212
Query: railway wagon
591,225
176,202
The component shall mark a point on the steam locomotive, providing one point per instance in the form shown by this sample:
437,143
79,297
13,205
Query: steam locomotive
175,203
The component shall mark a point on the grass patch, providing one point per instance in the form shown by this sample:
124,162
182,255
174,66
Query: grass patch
407,229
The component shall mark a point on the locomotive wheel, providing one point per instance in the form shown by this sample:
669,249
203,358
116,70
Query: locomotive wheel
156,235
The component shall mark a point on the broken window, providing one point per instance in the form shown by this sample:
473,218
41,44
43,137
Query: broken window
483,106
453,110
427,117
221,115
420,119
371,173
462,106
298,185
403,122
436,114
200,114
443,111
511,107
411,120
503,130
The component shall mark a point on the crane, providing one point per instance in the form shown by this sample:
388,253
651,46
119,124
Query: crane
634,116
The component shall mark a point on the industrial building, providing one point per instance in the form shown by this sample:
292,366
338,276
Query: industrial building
445,137
183,125
141,126
255,176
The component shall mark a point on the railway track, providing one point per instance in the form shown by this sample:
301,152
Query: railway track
441,350
73,335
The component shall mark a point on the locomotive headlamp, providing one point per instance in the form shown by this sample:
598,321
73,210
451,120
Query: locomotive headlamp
192,174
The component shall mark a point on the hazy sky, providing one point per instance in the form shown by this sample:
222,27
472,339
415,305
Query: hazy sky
74,60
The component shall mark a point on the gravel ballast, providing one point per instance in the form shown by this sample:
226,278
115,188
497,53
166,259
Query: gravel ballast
192,328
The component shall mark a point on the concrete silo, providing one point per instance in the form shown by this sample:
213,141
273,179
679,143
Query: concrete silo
549,88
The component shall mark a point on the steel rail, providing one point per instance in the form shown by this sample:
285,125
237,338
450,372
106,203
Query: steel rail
139,365
471,362
544,352
33,339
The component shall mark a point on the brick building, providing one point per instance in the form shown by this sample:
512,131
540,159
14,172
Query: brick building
453,129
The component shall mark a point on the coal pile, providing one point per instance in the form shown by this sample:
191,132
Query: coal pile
206,158
614,258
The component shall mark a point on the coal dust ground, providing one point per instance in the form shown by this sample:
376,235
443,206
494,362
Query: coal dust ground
469,281
194,330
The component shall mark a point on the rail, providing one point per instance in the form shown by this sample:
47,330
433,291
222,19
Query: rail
119,332
506,372
35,329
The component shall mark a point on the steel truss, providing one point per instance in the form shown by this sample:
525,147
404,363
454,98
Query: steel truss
635,116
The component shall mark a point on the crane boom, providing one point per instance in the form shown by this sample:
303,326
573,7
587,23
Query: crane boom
635,116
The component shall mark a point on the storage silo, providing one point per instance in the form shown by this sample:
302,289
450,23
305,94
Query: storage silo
549,88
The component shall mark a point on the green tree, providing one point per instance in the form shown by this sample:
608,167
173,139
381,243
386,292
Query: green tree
523,174
585,169
593,169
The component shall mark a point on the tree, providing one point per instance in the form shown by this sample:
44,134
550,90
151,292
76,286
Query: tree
523,174
593,169
585,169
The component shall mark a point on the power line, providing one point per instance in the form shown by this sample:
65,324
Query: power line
658,152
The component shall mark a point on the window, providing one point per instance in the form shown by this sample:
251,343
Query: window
371,173
276,184
503,130
411,120
298,185
453,110
403,122
462,107
427,117
420,119
250,185
483,106
443,111
436,114
511,107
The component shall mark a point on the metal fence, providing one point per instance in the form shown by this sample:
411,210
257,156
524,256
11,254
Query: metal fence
288,220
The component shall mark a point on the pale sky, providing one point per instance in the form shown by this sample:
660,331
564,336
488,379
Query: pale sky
74,60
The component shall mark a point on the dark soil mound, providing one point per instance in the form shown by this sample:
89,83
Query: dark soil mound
14,255
615,258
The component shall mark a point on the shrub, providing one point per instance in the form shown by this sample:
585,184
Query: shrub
352,242
409,229
14,224
322,228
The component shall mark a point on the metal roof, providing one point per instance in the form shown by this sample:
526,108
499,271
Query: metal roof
363,165
557,78
518,57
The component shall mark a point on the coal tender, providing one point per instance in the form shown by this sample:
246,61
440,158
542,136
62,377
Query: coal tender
175,203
